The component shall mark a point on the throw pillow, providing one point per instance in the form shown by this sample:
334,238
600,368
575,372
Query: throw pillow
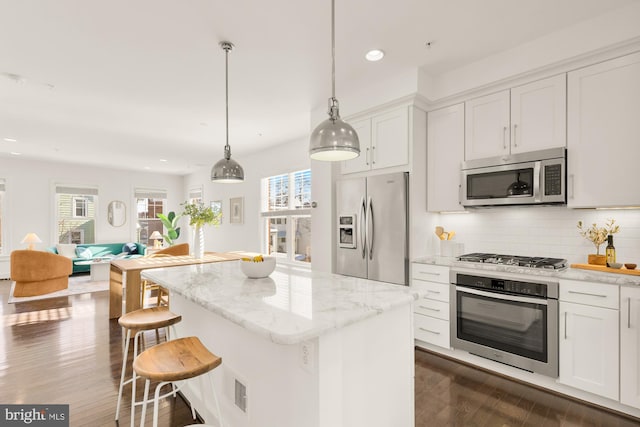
82,252
66,249
130,248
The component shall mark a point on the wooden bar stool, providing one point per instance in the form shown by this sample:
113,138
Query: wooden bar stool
139,321
177,360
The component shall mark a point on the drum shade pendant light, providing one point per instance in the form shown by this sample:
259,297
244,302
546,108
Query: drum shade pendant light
227,170
334,139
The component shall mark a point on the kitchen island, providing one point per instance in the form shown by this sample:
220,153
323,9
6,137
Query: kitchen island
298,348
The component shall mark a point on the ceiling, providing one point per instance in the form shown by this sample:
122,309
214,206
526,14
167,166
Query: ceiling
126,83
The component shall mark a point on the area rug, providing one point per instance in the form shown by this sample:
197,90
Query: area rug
77,285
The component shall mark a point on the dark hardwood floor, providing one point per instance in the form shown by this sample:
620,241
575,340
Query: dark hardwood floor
66,351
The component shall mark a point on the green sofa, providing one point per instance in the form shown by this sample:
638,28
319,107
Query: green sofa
88,251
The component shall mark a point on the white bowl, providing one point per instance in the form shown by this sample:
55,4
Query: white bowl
258,270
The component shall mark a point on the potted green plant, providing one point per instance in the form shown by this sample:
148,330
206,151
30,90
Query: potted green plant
199,216
170,222
597,236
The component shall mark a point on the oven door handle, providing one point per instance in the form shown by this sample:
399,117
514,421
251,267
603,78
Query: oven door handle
499,296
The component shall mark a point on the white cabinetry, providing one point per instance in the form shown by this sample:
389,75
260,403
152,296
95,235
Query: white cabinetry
384,141
445,153
630,346
431,311
603,128
526,118
589,343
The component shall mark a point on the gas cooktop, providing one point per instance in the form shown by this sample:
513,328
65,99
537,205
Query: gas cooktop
520,261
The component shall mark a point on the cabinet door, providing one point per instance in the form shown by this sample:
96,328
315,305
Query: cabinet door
445,153
589,348
390,139
603,125
363,161
630,346
538,115
486,129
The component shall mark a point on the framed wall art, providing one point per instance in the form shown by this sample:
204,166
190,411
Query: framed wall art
236,210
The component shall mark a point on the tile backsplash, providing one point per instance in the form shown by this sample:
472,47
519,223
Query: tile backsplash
538,231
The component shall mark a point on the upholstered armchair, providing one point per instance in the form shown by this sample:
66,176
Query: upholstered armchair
38,272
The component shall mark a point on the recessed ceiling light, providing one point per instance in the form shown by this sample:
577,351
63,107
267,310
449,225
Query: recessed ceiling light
10,140
374,55
163,160
147,167
15,153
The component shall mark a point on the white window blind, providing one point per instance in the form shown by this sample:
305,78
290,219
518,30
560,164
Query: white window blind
69,189
147,193
195,195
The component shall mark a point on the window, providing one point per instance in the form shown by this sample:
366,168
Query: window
80,207
2,190
76,214
286,212
195,196
149,203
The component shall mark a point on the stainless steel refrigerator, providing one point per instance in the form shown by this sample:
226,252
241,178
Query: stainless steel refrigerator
372,221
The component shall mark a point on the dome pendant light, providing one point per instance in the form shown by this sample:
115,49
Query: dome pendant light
227,170
334,139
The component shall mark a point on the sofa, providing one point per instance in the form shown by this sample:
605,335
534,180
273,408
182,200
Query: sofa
89,251
39,272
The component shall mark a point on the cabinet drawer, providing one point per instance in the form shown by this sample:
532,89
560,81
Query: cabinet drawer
590,293
432,290
432,273
433,331
429,307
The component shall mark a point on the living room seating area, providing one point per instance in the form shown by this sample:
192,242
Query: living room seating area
92,251
39,272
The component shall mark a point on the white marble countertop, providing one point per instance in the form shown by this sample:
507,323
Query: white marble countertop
567,273
289,307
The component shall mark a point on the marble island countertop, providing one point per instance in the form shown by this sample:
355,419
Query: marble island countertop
290,306
567,273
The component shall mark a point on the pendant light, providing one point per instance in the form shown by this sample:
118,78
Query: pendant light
334,139
227,170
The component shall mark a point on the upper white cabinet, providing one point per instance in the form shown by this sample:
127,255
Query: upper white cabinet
384,141
630,346
603,134
487,126
530,117
445,153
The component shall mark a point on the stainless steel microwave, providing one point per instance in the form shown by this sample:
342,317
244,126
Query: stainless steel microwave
537,177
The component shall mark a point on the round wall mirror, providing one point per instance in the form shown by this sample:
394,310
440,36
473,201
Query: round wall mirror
117,213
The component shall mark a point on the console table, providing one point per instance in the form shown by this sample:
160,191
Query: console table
125,273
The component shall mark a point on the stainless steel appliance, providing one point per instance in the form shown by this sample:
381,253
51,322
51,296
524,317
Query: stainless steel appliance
378,208
537,177
509,318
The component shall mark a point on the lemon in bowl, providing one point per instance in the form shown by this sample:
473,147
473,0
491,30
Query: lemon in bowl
258,267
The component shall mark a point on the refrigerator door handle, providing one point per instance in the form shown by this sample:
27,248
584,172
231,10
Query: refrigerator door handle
362,227
370,225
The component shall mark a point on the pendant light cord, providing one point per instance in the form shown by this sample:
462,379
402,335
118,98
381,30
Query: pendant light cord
333,51
227,148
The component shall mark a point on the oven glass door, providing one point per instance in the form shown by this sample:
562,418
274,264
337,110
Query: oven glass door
514,324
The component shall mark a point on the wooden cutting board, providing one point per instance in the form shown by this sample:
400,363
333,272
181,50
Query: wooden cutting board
602,268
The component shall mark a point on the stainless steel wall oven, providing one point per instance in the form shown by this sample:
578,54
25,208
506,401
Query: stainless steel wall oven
506,318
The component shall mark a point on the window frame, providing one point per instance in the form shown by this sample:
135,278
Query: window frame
80,191
84,207
290,213
149,194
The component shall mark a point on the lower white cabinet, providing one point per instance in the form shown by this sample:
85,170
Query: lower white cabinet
431,311
588,339
630,346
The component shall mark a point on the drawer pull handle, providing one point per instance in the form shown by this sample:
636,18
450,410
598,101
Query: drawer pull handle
428,330
588,294
429,273
629,313
429,308
433,292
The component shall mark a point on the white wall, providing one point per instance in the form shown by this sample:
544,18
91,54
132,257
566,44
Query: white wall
284,158
30,200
